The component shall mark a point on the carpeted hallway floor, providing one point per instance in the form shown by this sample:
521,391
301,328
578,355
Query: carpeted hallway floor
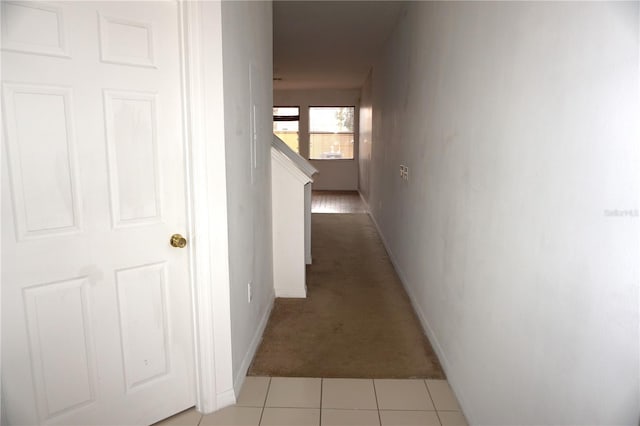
357,321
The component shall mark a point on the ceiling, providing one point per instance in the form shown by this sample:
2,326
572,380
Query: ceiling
328,44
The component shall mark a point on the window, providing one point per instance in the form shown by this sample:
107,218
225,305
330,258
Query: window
331,133
286,122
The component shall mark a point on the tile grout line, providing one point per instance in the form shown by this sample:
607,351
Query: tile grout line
321,396
375,393
264,403
432,401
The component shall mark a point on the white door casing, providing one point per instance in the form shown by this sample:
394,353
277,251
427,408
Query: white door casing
204,109
96,306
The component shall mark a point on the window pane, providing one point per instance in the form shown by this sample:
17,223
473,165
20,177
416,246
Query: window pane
288,132
285,125
286,111
326,146
331,119
331,133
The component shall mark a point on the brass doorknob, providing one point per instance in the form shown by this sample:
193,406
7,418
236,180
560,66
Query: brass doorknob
178,241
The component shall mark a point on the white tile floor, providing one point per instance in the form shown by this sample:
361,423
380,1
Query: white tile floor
282,401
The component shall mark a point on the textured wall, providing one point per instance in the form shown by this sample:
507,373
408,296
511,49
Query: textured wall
247,74
517,231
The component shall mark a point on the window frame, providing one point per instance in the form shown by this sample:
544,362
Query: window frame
309,133
286,117
280,118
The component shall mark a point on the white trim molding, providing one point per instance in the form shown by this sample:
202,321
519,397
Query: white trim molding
241,374
207,202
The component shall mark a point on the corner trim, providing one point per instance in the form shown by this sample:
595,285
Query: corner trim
206,195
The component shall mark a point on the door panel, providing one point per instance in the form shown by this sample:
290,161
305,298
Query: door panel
34,27
96,305
142,303
133,157
60,344
33,114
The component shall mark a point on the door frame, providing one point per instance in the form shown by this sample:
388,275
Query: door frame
206,199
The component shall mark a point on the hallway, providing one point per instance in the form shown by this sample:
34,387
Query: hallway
494,144
307,340
357,321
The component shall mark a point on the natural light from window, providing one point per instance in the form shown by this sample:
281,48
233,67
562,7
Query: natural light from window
331,134
286,126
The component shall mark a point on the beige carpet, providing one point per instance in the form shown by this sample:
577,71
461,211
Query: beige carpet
357,320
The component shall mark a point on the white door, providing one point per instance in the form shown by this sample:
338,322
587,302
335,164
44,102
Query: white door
96,305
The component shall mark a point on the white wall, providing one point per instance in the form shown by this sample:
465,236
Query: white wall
247,75
288,217
332,174
365,134
520,126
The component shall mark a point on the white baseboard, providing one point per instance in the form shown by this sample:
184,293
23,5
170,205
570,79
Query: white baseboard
225,399
253,347
366,204
453,380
